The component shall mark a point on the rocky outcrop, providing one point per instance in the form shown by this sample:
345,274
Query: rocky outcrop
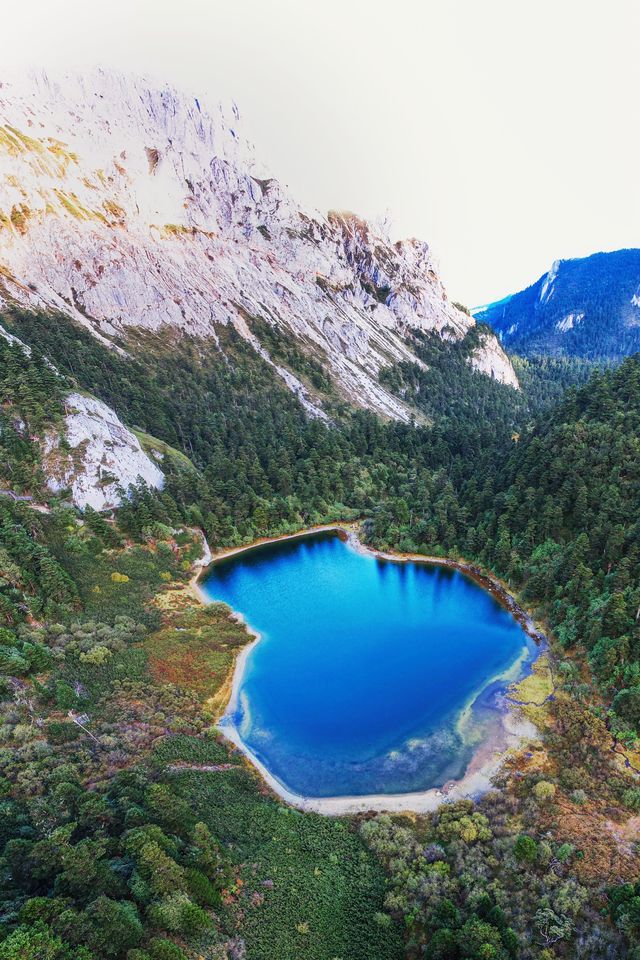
99,455
91,453
489,358
129,206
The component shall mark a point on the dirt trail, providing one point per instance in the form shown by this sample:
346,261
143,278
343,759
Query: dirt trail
27,499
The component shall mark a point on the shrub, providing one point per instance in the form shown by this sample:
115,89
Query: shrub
383,919
178,914
458,822
61,731
544,791
201,889
627,706
525,849
66,698
97,656
23,732
631,799
115,927
161,949
565,851
442,946
39,943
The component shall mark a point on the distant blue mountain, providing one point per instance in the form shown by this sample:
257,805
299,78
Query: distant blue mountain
588,307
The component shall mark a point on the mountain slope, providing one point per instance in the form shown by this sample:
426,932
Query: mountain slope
588,308
126,206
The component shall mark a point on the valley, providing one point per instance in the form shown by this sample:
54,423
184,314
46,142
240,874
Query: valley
192,364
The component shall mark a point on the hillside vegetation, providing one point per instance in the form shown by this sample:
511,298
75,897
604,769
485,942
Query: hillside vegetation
587,307
137,835
116,844
558,517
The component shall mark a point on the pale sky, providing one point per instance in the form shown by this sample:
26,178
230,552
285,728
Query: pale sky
506,133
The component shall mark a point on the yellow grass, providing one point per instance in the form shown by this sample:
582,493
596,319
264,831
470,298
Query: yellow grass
534,690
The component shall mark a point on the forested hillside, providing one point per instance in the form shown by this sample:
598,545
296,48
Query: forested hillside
128,831
135,834
558,516
588,307
262,464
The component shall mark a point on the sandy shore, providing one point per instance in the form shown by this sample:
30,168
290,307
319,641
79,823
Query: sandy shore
485,763
487,759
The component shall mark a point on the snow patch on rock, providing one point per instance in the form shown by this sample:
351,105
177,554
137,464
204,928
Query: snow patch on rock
207,556
547,286
103,456
15,341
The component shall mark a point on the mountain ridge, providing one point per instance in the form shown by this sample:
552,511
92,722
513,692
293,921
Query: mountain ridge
582,307
155,214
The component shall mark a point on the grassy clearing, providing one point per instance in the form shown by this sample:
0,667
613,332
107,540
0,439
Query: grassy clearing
532,692
152,445
194,750
307,885
98,679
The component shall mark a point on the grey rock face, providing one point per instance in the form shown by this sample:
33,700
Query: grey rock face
129,206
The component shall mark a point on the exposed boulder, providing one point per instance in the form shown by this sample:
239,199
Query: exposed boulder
96,456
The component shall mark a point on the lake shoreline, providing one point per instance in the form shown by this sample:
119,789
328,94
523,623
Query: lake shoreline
512,729
349,528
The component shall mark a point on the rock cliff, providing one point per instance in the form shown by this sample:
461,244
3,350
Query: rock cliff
99,455
127,206
90,453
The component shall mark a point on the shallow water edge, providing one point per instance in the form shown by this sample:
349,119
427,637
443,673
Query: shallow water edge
489,755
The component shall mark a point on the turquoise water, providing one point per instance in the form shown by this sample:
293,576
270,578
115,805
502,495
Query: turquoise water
364,669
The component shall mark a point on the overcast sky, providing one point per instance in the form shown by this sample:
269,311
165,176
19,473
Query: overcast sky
504,132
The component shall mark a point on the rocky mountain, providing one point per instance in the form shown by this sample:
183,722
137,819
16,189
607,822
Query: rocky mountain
587,307
130,207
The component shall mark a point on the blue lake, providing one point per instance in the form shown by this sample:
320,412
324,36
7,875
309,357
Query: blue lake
371,676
